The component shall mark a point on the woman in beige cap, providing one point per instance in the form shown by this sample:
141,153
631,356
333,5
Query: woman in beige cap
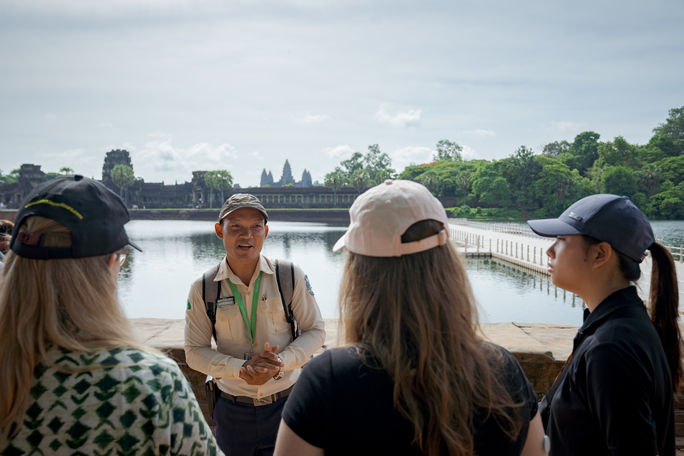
416,378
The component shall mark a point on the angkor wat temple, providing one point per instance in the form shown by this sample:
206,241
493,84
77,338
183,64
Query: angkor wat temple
285,193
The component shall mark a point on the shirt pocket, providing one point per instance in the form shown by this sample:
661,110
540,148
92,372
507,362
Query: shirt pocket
276,316
228,321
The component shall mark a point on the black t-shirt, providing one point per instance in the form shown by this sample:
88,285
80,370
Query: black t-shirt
346,407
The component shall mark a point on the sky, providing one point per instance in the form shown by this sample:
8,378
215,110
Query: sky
242,85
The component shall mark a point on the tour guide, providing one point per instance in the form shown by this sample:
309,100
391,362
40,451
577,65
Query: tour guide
260,348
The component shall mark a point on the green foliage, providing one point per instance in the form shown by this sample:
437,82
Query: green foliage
669,203
674,129
122,176
618,152
361,171
51,175
583,152
490,187
447,151
219,180
619,180
525,184
555,148
484,213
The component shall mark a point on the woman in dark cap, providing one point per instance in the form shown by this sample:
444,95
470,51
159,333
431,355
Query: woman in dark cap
615,394
73,378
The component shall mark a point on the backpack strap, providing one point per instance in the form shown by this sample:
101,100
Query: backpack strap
286,283
211,288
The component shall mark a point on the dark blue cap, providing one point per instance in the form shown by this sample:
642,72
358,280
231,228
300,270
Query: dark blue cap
94,214
609,218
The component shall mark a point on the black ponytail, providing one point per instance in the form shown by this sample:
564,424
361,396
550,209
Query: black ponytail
664,307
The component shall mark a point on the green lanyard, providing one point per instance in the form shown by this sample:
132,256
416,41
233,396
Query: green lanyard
251,325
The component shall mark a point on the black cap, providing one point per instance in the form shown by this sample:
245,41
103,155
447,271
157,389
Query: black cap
94,214
609,218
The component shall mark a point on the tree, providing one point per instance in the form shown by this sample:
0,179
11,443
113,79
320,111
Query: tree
520,171
673,128
66,171
618,152
352,165
447,151
583,152
648,178
335,180
490,187
554,149
556,187
430,179
377,165
619,180
6,178
122,176
219,180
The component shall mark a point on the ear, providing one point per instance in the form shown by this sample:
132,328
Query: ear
219,230
112,260
265,231
601,254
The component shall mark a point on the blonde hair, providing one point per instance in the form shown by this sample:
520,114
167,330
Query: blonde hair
415,317
69,303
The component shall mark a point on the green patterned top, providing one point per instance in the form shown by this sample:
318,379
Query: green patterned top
131,403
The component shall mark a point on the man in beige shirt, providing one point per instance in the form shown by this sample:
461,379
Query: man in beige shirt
256,360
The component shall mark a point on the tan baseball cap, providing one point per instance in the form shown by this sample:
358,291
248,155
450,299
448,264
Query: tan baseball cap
383,213
239,201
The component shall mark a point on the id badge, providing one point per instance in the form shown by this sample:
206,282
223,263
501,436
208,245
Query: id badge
222,302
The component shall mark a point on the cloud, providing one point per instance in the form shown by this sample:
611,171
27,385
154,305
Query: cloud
468,153
160,159
309,118
403,119
339,152
484,133
565,125
411,155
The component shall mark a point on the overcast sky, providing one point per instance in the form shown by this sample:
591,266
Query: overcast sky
243,85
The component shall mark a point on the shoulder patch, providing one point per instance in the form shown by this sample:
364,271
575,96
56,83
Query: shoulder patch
308,285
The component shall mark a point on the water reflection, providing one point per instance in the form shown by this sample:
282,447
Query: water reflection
155,283
505,292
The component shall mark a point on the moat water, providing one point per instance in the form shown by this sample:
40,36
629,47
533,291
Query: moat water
155,282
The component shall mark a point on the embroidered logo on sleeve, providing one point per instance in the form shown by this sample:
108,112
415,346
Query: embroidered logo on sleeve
308,285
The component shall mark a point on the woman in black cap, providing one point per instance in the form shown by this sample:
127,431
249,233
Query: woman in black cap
73,379
615,394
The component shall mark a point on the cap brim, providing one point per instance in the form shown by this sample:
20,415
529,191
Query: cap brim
134,245
339,245
552,227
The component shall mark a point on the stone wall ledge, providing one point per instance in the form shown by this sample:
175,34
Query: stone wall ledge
540,348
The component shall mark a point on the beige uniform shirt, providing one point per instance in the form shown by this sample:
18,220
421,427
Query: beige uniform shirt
271,326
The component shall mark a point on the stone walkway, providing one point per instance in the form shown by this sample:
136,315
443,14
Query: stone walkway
529,252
